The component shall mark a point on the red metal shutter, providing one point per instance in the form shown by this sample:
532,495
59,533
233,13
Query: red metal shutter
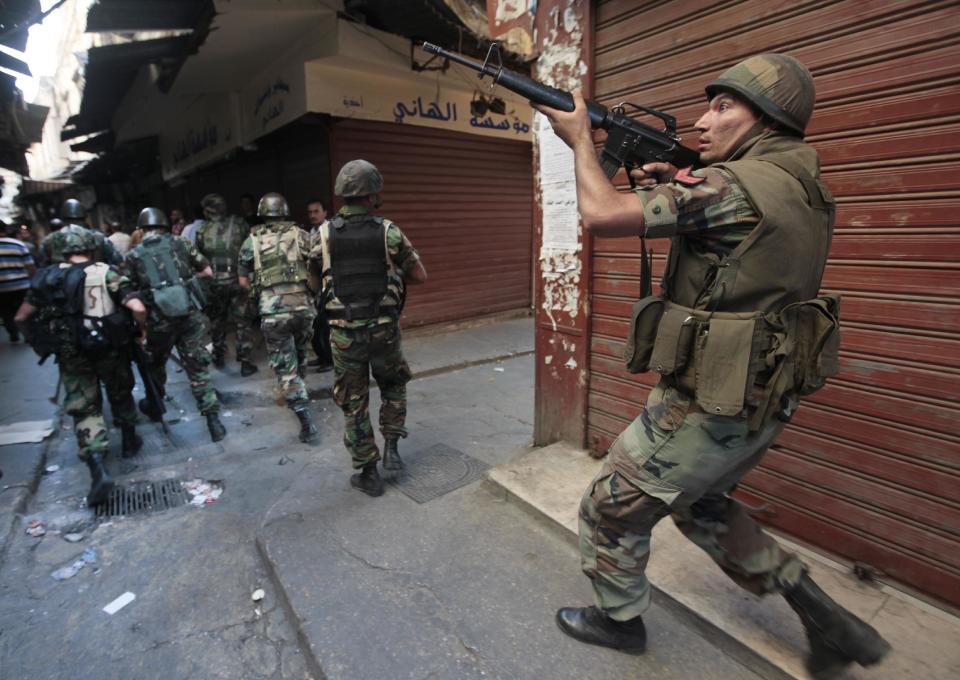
870,467
466,204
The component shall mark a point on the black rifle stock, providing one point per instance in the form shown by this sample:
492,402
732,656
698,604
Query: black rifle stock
629,144
149,386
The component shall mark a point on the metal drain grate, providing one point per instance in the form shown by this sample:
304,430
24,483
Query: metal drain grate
138,498
436,471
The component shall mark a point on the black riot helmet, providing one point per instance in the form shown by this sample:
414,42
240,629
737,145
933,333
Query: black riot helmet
153,218
72,209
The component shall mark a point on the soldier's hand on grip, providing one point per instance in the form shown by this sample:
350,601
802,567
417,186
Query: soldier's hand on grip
649,174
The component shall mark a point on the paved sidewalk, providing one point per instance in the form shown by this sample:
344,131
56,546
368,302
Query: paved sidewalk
549,481
26,390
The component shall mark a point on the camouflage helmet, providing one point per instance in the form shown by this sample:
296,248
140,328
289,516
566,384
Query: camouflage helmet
72,209
77,242
214,205
273,205
777,84
151,218
358,178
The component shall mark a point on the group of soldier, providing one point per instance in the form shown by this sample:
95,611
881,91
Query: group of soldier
97,312
723,398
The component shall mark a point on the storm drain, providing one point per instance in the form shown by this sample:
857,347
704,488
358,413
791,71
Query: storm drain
436,471
139,498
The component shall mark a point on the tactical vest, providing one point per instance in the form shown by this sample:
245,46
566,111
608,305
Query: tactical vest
744,330
278,261
77,311
222,241
175,291
361,280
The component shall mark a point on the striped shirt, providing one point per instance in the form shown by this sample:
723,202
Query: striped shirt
14,260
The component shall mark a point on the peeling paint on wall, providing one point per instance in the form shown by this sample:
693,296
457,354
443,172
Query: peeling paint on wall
508,10
560,271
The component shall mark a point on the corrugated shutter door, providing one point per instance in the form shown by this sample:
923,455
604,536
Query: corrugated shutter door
466,204
870,466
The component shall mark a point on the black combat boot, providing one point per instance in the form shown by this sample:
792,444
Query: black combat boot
308,431
837,637
591,625
368,480
100,483
217,430
148,409
392,465
248,368
131,441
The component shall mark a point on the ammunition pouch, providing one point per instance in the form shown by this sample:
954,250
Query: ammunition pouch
729,361
106,332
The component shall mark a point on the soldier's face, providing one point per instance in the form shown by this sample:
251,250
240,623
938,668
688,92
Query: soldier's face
316,214
723,127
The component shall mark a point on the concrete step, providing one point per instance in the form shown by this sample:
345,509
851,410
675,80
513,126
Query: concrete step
548,482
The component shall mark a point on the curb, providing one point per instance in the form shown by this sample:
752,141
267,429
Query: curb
313,664
728,644
29,488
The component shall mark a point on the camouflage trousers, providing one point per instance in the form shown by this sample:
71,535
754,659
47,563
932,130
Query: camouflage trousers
356,353
187,334
82,376
683,463
229,304
287,335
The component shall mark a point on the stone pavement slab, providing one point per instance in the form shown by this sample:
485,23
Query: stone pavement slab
464,586
549,483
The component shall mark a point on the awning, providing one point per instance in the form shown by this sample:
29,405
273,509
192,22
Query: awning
110,71
30,187
146,15
16,17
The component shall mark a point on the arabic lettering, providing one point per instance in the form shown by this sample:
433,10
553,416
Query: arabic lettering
416,109
353,102
277,88
195,141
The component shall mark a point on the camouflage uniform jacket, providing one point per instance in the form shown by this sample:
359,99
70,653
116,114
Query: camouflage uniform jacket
220,242
52,246
401,252
292,294
188,259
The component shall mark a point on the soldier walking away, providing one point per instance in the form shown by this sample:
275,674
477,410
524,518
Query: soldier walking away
219,239
165,272
737,334
317,216
273,265
74,217
364,262
79,312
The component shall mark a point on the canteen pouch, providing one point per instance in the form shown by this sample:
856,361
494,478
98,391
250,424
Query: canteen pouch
727,362
671,349
173,301
814,328
644,321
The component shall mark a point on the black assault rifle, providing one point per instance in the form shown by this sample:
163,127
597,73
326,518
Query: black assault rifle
629,144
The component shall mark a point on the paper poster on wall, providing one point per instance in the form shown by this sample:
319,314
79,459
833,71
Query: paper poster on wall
560,217
556,158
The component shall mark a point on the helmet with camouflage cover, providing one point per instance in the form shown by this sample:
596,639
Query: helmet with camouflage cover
77,242
358,178
273,205
777,84
153,218
72,209
214,205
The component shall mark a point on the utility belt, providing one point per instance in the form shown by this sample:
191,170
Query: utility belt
732,361
358,311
